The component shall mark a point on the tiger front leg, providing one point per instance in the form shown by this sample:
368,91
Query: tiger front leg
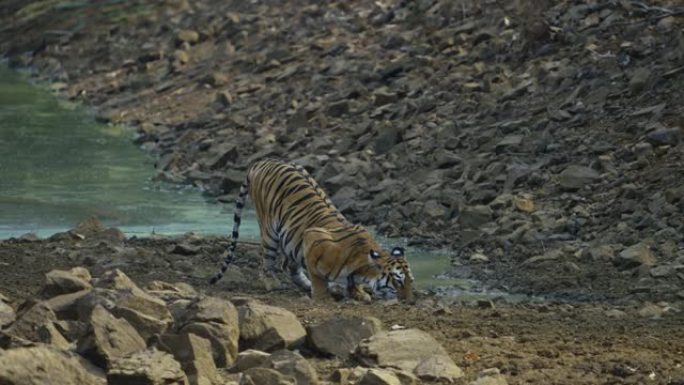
318,250
358,293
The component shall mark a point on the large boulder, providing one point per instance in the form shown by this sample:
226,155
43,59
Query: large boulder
249,358
216,320
7,314
268,328
195,356
66,306
411,350
65,281
149,367
41,365
339,336
109,338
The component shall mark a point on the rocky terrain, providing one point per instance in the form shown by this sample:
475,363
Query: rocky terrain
533,137
89,306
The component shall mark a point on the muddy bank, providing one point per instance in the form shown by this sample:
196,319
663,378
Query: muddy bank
537,343
544,142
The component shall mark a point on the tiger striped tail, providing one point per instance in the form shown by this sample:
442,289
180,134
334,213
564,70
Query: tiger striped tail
239,204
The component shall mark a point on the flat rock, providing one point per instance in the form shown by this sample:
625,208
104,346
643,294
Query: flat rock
379,377
265,376
339,336
404,349
109,338
149,367
194,354
268,328
63,282
41,365
216,320
576,177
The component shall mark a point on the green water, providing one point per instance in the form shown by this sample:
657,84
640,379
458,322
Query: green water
58,166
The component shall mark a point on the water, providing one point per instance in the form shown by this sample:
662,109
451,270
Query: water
58,166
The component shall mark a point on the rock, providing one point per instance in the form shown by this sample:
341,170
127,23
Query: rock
188,36
250,358
387,138
473,217
338,109
194,354
664,137
404,349
89,227
382,97
615,313
36,324
348,376
41,365
66,306
185,249
292,364
339,336
438,368
149,367
64,282
7,314
509,142
224,99
651,310
268,328
489,377
217,321
435,210
524,204
639,80
635,256
662,271
264,376
108,338
577,177
379,377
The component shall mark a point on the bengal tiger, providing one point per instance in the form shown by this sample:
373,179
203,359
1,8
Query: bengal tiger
298,220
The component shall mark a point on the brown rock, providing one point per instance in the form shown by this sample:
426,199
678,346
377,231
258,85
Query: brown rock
188,36
635,256
149,367
36,324
64,282
339,336
269,328
292,364
379,377
403,349
264,376
41,365
194,354
217,321
7,314
250,358
438,368
109,338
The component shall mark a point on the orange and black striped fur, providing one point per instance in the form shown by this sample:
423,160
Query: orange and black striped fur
298,221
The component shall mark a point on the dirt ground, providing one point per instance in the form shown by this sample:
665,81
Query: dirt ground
530,343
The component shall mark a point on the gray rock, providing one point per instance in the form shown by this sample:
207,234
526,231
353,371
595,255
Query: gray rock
473,217
663,271
435,210
268,328
635,256
387,138
41,365
438,368
66,306
576,177
338,109
149,367
108,338
339,336
379,377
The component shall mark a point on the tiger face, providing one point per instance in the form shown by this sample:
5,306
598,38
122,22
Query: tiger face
396,279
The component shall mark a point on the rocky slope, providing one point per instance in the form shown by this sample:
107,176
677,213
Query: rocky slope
541,138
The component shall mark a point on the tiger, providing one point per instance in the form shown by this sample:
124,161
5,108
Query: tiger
298,220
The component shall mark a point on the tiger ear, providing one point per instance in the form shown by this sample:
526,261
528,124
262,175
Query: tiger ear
373,254
398,252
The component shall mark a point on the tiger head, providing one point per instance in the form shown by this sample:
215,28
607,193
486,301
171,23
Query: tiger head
396,279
